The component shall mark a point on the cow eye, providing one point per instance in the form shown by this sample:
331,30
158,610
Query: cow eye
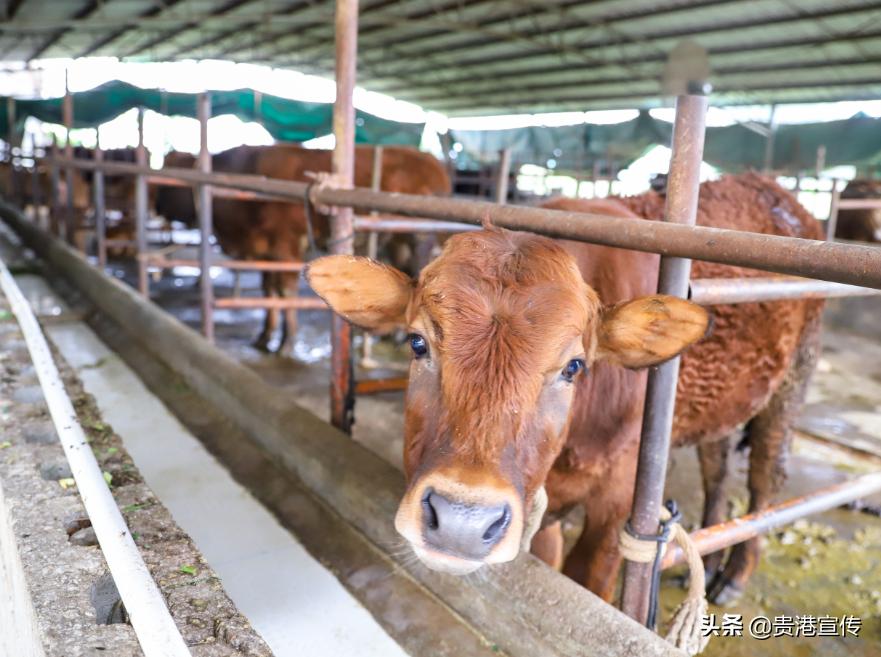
572,368
418,345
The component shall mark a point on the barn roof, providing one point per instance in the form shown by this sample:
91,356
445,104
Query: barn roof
491,56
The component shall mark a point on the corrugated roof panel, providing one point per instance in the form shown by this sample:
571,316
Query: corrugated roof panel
470,56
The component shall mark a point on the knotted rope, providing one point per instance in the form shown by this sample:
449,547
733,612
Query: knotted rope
319,181
686,625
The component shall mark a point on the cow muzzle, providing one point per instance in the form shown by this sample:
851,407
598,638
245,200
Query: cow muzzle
456,528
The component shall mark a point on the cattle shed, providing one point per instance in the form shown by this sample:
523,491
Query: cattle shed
490,56
212,500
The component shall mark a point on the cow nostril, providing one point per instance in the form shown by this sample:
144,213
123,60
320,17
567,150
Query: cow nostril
431,521
496,530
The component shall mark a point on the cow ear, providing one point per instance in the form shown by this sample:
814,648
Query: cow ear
367,293
649,330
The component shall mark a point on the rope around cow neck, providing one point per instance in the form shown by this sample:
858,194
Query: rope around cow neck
686,625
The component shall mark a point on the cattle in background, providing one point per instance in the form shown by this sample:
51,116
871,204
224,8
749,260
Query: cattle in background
269,230
863,225
528,382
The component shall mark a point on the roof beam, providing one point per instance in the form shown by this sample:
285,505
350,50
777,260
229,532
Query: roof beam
219,11
514,84
113,36
477,60
861,89
83,13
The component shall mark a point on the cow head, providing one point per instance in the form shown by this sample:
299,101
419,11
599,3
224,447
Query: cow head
502,326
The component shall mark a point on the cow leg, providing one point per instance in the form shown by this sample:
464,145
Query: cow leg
288,285
547,545
595,559
769,434
714,468
270,320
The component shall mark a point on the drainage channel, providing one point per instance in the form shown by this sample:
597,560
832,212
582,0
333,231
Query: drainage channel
294,602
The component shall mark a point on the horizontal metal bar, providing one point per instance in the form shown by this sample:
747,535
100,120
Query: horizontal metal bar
374,386
842,263
859,204
217,192
399,225
718,537
157,260
273,303
716,291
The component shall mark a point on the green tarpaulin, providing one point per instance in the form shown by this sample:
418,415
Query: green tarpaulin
855,141
284,119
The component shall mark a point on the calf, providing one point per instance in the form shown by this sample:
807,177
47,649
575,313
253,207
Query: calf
528,380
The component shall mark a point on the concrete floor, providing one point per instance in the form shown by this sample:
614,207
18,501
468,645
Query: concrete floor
294,602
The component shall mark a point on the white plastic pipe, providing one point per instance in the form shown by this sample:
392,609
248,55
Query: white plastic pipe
152,622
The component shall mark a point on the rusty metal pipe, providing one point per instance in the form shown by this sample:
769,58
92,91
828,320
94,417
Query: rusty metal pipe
718,537
654,448
273,303
341,226
400,225
141,212
843,263
374,386
206,286
98,204
158,260
717,291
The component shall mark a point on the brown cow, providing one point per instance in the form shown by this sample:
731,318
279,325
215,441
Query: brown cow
528,378
266,230
863,225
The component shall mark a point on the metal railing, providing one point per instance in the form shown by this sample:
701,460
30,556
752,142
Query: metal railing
842,270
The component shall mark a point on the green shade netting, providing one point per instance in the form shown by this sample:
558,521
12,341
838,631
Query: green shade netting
855,141
284,119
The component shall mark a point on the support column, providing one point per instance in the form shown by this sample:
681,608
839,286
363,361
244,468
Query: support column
98,204
206,229
372,250
504,173
68,224
141,215
341,225
683,187
35,181
15,193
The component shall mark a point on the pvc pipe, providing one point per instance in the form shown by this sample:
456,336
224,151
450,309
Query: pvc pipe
150,618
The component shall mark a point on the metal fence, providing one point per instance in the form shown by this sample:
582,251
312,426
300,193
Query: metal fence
837,269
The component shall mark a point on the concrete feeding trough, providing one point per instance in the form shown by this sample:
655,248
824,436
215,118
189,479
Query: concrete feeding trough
523,608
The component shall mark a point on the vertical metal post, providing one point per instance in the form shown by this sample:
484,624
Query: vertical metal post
98,204
372,248
341,227
769,140
35,180
15,193
54,184
141,211
683,187
206,229
503,175
68,223
832,221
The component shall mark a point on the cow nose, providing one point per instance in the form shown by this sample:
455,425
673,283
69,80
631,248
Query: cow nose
468,531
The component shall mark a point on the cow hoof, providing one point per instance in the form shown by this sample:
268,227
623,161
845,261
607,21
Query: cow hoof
723,592
261,344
